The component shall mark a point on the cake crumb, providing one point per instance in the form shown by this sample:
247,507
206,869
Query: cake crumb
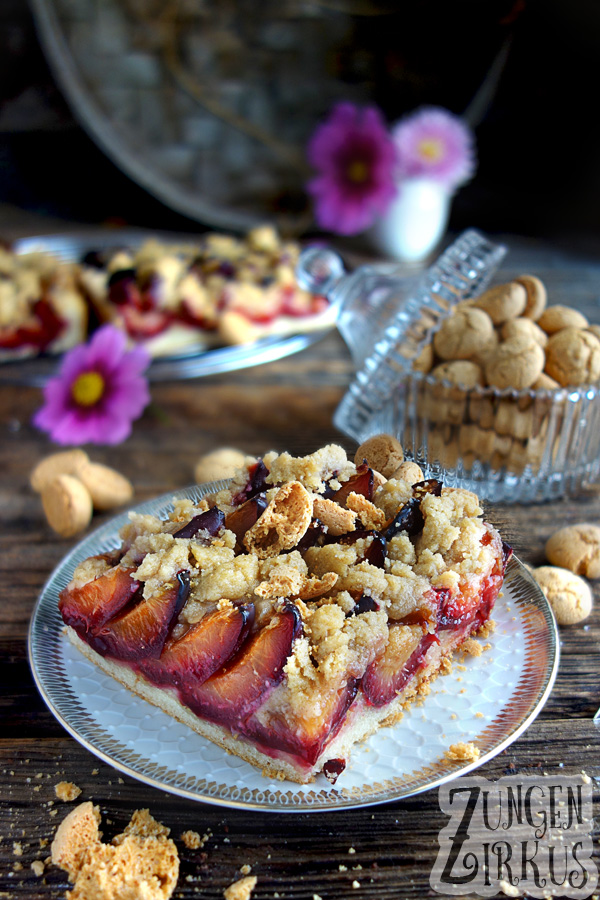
95,771
245,869
479,715
487,628
17,848
355,883
38,867
462,752
67,791
351,850
472,647
342,868
242,889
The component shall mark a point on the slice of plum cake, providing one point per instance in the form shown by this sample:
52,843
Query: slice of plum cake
296,612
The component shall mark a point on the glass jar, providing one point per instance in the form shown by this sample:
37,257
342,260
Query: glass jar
507,445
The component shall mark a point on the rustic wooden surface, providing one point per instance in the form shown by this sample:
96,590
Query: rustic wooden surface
284,405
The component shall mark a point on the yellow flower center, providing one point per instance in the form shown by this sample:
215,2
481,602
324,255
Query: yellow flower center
357,171
87,388
431,149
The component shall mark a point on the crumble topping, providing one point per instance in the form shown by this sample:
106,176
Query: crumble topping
357,567
313,471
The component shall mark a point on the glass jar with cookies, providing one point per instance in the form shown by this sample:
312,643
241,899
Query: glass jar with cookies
496,389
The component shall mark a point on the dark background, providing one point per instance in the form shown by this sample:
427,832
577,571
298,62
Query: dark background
536,119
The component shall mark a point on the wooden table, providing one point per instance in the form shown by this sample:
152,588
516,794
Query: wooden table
284,405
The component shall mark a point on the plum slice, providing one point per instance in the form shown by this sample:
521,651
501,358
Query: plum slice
305,738
203,650
233,693
142,324
90,606
141,631
43,328
256,484
245,516
404,654
361,483
212,521
123,289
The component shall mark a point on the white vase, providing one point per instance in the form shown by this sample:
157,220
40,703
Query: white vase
414,222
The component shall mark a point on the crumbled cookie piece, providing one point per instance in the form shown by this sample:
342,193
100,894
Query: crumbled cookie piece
577,548
383,452
242,889
283,523
568,594
316,587
573,357
370,515
38,867
136,864
336,519
67,791
74,836
220,464
143,824
463,751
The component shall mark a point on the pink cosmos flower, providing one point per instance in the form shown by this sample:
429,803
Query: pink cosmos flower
99,390
355,159
434,143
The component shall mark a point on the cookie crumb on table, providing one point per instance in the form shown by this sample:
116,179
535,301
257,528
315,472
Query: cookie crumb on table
66,790
38,867
242,889
192,840
463,752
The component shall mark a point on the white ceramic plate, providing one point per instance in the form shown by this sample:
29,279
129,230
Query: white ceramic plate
190,363
490,699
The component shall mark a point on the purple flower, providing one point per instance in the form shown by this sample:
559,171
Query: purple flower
99,390
355,158
434,143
